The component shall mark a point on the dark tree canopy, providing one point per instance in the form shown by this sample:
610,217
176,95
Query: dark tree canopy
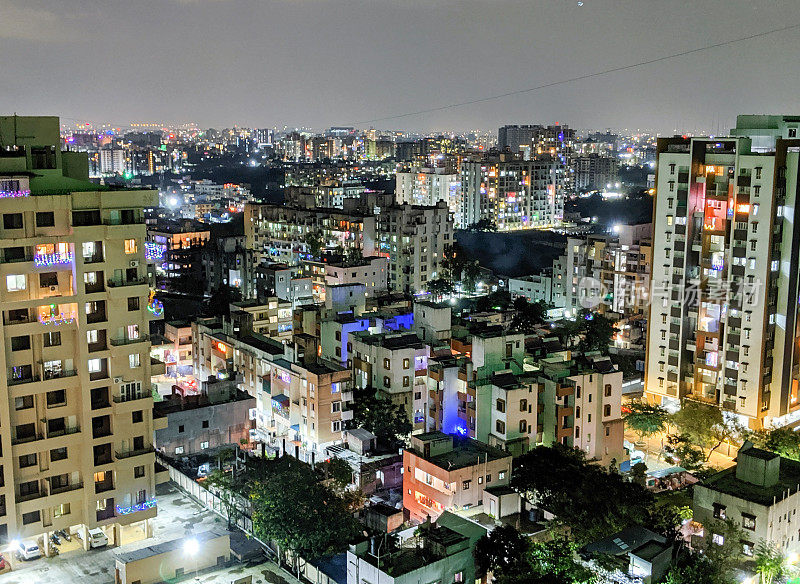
388,421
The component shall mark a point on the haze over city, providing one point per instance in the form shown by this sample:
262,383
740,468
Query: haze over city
317,63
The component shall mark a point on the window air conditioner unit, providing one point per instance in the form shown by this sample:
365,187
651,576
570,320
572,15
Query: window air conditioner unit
118,380
134,263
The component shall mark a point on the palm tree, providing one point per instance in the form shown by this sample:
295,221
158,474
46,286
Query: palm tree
769,562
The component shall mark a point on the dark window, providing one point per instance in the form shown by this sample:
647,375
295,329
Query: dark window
137,416
83,218
23,402
205,423
27,460
51,339
465,485
14,254
180,428
138,443
21,343
48,279
102,454
501,405
12,220
31,517
500,426
138,472
58,454
29,488
45,219
133,303
57,397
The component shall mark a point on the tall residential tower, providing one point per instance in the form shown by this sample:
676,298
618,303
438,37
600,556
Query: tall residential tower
723,326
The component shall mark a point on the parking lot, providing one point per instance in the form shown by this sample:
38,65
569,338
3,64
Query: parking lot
178,516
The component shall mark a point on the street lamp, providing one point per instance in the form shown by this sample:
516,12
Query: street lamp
191,547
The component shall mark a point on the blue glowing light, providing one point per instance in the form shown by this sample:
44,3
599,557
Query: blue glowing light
143,506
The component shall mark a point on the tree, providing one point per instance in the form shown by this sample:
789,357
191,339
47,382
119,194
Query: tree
439,287
557,558
484,224
529,315
705,425
498,300
646,419
693,568
500,551
453,260
313,241
339,472
769,562
598,332
387,420
680,450
301,514
585,497
471,273
783,441
228,489
220,302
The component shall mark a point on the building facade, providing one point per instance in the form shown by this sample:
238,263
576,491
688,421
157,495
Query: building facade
76,420
723,323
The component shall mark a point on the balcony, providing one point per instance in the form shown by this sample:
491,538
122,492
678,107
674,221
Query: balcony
132,453
157,367
31,496
93,259
94,288
121,399
94,317
22,380
126,341
104,486
64,432
26,439
58,374
121,282
66,488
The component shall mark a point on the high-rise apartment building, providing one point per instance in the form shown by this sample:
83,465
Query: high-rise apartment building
76,419
511,192
723,326
414,238
428,186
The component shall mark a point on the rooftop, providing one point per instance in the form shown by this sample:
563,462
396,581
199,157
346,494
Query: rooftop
125,555
788,481
466,452
390,341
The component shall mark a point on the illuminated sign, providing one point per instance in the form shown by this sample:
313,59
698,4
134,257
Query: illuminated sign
143,506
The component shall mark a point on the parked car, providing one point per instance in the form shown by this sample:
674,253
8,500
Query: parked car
97,538
28,550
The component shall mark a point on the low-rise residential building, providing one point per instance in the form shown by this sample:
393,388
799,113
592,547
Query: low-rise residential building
395,365
334,335
444,472
271,317
372,272
285,282
219,415
178,358
311,402
760,494
433,552
587,393
535,288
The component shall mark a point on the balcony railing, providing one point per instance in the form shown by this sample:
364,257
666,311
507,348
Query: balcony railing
66,488
22,380
104,486
59,374
64,432
25,439
130,453
31,496
121,399
127,341
119,282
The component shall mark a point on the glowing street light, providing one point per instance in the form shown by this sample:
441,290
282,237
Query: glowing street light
191,547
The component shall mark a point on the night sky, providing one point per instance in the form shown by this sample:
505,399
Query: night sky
317,63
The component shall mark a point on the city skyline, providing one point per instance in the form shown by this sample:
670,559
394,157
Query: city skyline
228,61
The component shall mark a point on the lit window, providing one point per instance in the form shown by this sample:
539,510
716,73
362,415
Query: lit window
130,246
15,282
203,445
94,365
133,359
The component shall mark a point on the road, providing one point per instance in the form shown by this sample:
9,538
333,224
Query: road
721,458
